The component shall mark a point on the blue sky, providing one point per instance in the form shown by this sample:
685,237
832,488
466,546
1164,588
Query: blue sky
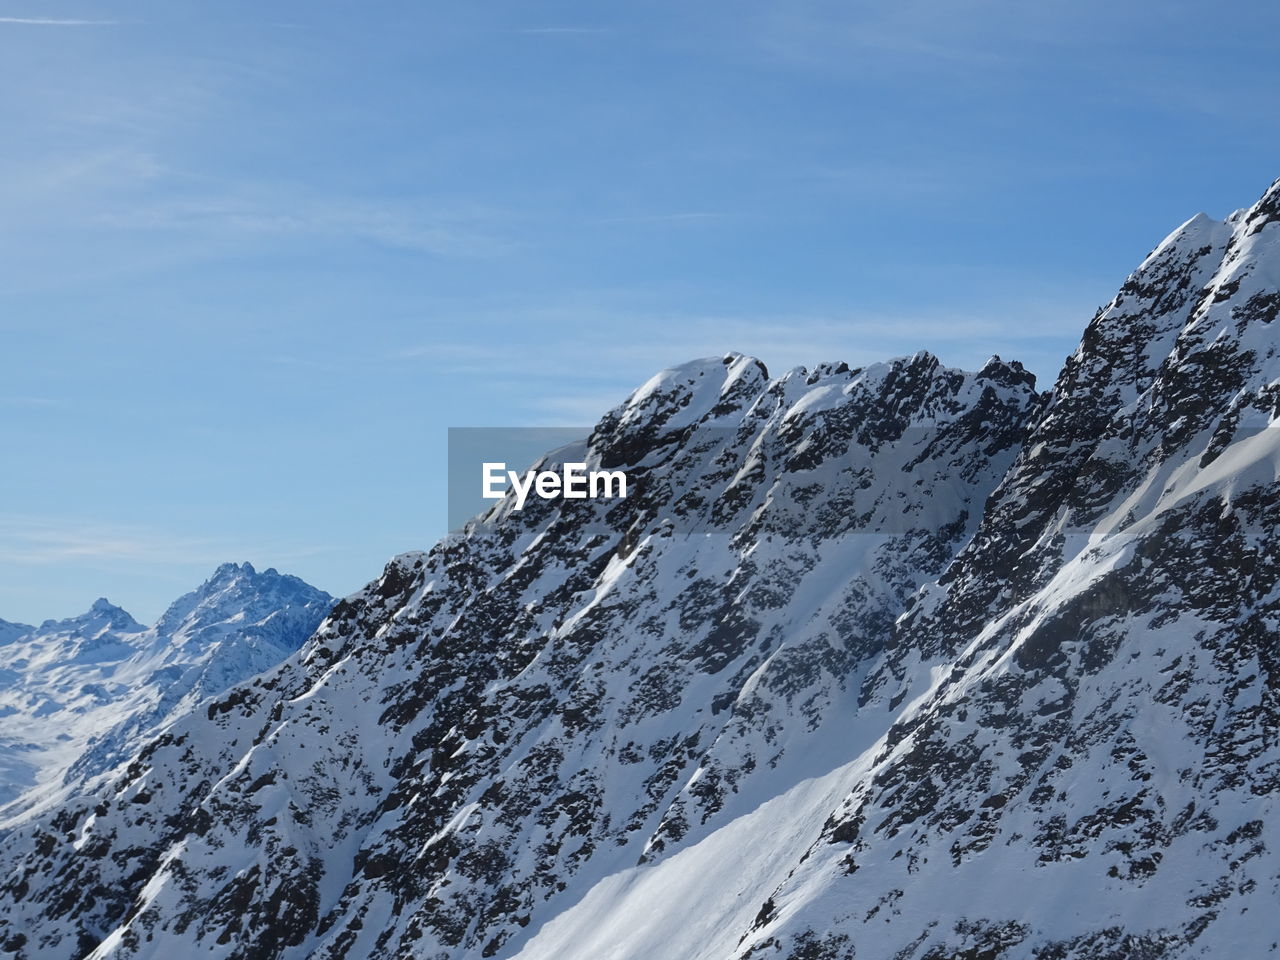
257,258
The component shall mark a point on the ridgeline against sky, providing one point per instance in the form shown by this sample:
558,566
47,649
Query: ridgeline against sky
246,253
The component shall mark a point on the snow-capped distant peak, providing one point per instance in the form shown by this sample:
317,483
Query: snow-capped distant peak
237,593
12,631
80,692
102,615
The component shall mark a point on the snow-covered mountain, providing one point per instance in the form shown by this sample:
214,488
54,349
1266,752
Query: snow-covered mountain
12,631
899,663
77,696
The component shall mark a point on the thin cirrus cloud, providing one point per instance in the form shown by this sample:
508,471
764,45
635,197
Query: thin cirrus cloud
567,31
575,409
691,216
134,190
576,380
44,540
398,226
54,22
781,341
31,402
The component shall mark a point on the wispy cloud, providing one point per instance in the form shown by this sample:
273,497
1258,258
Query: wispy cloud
566,30
74,180
313,364
576,409
613,349
692,216
830,36
53,22
404,226
47,560
51,540
789,339
41,540
30,402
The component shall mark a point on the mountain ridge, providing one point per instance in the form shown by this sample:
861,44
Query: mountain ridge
898,661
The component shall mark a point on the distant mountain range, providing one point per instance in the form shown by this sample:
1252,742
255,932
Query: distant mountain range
79,695
891,663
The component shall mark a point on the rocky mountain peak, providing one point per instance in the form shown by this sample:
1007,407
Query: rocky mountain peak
102,616
230,570
238,595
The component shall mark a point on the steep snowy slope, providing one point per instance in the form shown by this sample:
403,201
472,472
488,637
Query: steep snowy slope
1087,757
551,696
52,676
897,663
77,696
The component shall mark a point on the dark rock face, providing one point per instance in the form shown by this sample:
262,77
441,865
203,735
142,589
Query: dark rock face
899,662
1107,720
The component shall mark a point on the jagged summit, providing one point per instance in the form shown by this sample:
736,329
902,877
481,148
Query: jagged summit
102,615
226,570
238,594
1008,374
681,395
